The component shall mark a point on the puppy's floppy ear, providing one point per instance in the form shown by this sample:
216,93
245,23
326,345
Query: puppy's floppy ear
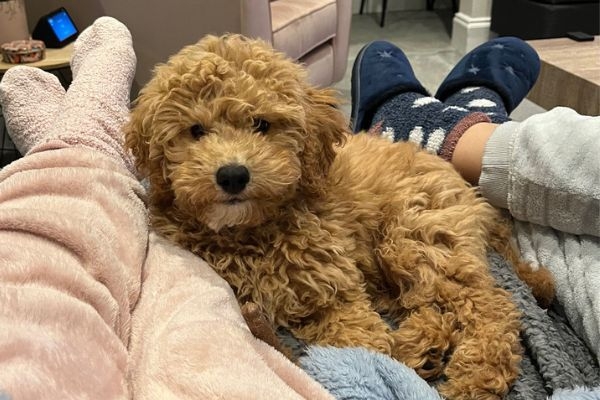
148,145
326,127
139,135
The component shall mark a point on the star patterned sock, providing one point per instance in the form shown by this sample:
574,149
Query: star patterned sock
424,120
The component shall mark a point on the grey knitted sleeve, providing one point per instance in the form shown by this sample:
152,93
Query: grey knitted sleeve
546,170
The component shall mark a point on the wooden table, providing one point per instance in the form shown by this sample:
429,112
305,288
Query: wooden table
55,59
569,75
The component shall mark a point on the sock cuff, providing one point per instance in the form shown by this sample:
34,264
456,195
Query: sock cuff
458,130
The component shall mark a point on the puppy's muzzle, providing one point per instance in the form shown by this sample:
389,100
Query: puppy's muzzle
233,178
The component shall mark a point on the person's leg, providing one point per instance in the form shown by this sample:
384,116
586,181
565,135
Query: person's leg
468,153
543,170
73,234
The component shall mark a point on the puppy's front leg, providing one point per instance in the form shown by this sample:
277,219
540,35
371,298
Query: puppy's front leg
347,324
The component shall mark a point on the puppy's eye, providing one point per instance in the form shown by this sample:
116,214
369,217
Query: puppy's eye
260,125
197,131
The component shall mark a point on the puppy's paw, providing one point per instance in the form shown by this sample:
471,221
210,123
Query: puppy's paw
261,328
484,365
425,340
541,282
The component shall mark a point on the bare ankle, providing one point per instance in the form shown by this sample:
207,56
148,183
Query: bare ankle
469,151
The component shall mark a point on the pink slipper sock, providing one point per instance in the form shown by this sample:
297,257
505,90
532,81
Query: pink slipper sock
96,104
30,100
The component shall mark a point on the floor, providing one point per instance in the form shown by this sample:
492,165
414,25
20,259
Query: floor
425,38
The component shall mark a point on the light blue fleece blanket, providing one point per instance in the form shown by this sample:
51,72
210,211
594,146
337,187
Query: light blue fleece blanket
358,374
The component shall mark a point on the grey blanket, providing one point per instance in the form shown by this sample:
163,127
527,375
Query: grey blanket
555,357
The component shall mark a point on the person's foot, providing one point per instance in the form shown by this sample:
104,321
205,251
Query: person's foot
380,72
504,68
106,43
96,104
30,101
388,99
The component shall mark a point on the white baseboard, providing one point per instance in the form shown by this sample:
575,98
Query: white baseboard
469,32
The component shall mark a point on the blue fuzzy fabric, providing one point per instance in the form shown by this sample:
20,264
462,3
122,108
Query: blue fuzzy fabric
577,394
358,374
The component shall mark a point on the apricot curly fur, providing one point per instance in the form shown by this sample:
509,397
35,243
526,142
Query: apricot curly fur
332,230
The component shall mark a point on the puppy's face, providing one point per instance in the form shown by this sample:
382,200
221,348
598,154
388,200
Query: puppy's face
224,132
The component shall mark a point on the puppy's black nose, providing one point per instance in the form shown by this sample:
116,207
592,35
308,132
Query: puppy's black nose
233,178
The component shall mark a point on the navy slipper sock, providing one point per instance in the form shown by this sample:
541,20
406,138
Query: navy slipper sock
507,66
485,86
380,71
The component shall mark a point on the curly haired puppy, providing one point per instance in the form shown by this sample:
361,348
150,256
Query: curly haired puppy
252,168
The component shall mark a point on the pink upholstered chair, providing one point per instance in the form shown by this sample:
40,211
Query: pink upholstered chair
314,32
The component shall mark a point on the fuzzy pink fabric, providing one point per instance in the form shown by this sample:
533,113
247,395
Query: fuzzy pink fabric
189,340
92,304
93,307
73,238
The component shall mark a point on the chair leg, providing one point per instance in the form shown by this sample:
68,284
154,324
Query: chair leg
362,5
430,5
454,6
383,10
